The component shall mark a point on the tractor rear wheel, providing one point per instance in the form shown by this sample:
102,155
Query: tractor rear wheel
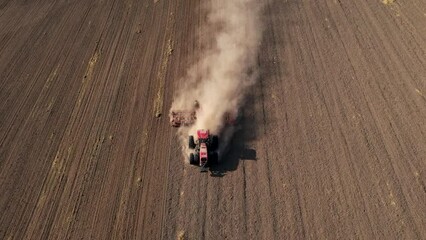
191,142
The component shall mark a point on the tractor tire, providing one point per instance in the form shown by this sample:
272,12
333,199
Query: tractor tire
191,144
214,143
197,159
192,159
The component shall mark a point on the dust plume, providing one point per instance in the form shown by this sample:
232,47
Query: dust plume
226,69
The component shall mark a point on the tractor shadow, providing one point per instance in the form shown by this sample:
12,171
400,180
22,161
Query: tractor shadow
237,149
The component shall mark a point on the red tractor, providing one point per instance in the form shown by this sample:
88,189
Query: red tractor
205,149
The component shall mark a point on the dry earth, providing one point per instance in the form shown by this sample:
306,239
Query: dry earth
332,144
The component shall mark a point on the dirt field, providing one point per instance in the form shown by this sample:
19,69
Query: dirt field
332,144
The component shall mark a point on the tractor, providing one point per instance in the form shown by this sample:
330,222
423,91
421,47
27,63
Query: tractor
205,149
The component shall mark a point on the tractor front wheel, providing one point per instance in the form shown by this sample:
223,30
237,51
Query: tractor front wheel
192,159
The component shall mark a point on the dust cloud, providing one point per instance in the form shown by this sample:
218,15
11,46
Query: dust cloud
226,69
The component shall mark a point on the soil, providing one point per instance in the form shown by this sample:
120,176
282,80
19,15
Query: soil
331,146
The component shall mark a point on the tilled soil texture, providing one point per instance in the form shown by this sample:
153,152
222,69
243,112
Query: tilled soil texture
332,143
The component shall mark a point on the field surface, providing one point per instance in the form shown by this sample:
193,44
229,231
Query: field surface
332,143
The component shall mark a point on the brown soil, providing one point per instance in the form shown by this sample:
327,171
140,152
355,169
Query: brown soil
332,143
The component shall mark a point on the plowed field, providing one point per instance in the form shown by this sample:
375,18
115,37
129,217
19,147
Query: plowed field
332,143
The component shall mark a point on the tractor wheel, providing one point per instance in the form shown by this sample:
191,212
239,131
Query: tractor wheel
192,159
214,143
197,159
191,142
